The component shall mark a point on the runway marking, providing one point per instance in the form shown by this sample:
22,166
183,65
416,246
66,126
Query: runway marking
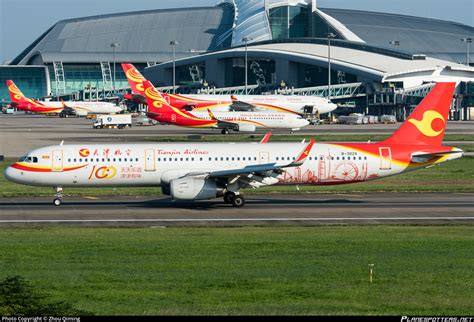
228,219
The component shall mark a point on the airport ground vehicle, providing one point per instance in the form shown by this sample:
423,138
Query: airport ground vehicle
202,171
113,121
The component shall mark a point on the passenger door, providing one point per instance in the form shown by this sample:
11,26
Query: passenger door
58,163
264,157
385,158
150,162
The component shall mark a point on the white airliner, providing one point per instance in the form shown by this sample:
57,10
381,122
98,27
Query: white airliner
201,171
79,108
297,104
161,111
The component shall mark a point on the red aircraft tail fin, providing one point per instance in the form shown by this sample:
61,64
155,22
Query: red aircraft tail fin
427,123
15,94
135,79
156,103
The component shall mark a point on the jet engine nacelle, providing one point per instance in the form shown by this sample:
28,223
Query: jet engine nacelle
247,128
194,189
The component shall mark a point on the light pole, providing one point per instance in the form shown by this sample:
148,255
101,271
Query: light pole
174,43
329,35
467,40
114,45
246,40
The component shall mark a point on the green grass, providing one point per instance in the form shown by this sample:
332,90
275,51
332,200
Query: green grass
253,270
453,176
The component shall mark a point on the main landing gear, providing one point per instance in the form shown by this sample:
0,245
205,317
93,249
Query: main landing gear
236,200
225,131
58,197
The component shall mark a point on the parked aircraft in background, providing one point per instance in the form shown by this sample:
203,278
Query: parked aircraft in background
62,108
160,110
201,171
296,104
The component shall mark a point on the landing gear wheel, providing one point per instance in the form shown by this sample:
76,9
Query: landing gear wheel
228,197
225,131
58,197
238,201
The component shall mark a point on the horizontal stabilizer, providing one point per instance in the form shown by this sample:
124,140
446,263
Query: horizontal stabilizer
422,157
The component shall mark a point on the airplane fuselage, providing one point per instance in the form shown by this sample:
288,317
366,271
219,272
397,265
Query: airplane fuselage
157,164
262,103
81,107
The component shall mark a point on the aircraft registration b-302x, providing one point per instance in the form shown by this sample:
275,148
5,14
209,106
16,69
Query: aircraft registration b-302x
82,108
202,171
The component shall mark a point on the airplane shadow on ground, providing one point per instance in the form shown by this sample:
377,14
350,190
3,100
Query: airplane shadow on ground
169,203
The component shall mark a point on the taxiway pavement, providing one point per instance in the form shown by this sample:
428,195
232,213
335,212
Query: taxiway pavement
301,209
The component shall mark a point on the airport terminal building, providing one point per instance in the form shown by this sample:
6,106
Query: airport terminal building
380,63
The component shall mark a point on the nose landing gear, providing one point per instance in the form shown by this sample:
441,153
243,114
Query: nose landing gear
58,197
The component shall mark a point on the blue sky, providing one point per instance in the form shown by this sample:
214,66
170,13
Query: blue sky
22,21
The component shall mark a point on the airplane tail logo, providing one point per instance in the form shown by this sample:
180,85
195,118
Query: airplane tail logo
427,124
431,121
15,94
154,99
135,78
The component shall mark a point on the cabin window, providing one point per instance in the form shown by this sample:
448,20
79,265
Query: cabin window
187,159
365,158
114,160
68,160
222,159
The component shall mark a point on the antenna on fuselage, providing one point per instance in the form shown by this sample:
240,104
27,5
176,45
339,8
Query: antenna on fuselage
62,142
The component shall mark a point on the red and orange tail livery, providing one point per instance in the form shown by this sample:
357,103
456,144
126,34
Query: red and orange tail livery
15,94
135,79
427,123
156,102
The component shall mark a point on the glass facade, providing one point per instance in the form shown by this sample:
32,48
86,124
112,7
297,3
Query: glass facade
289,22
77,77
318,76
30,80
190,74
259,72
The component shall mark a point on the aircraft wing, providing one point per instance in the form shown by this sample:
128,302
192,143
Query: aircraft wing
223,124
247,175
241,106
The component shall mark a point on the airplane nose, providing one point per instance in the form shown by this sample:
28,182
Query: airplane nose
9,173
12,174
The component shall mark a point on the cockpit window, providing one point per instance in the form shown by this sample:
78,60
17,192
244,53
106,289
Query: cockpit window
28,159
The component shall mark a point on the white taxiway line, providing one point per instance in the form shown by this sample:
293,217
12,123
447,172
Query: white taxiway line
226,219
